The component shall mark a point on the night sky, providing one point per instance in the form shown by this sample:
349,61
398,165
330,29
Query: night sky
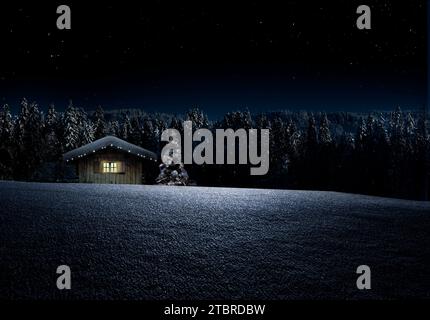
169,56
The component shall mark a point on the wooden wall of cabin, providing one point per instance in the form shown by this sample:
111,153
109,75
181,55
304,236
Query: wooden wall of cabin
90,168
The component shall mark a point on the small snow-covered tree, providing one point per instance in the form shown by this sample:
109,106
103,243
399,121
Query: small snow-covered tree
173,174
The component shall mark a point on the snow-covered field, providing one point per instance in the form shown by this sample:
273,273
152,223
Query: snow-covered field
153,242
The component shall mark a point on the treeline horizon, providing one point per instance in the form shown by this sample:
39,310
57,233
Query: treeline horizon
379,153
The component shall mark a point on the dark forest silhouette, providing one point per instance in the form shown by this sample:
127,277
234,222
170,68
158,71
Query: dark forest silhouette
383,153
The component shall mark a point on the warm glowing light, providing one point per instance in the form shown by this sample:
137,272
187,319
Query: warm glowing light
110,167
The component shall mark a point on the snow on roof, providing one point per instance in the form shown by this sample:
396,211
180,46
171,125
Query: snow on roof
109,142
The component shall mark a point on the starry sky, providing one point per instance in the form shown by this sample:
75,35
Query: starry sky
168,56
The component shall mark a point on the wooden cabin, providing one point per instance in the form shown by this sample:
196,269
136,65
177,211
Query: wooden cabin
111,160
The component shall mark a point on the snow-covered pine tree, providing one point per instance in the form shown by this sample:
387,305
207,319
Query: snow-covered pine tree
380,132
370,124
6,127
29,140
71,128
113,128
324,132
198,117
126,127
100,127
20,124
311,136
135,135
262,122
149,135
175,123
361,135
409,133
51,120
86,127
37,128
421,132
278,145
398,148
173,174
237,119
53,149
6,143
396,124
160,125
293,138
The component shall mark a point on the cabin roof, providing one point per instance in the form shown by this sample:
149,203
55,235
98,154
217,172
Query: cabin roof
110,142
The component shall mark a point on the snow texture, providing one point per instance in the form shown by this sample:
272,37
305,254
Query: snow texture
158,242
109,142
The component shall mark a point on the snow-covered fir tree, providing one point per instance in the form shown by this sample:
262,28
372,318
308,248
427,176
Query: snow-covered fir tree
113,128
237,119
85,126
324,132
361,135
6,143
71,128
278,145
6,127
149,135
53,149
135,135
173,174
198,117
126,127
311,136
29,139
100,126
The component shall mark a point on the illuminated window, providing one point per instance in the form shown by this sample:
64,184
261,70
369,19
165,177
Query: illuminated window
110,167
